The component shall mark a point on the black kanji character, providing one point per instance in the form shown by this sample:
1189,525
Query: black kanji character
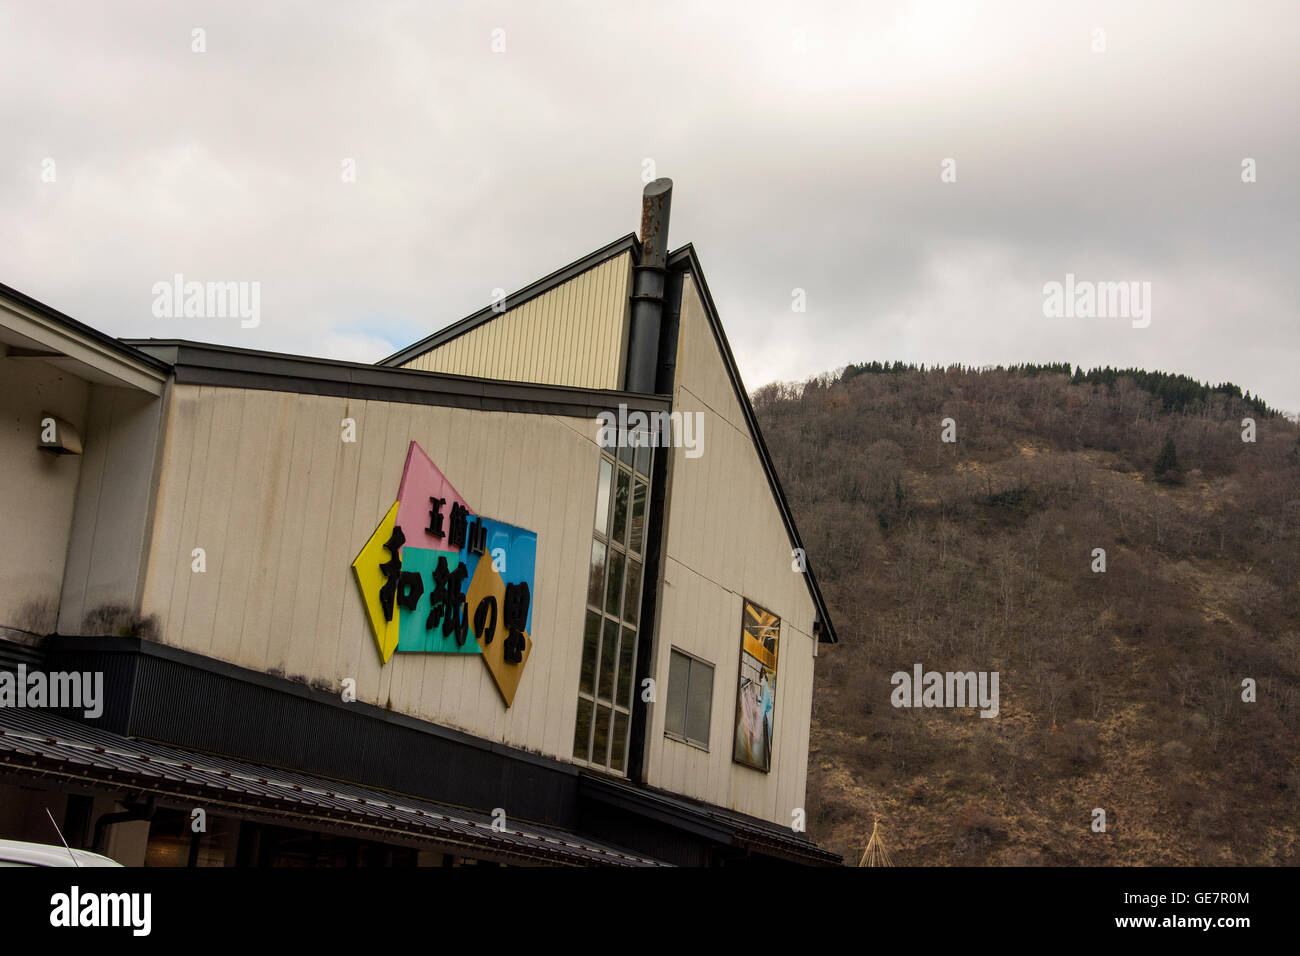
392,570
515,616
459,524
409,588
435,517
485,619
447,605
477,537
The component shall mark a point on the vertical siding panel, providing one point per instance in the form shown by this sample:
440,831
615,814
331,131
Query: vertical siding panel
279,411
526,718
289,547
561,346
545,327
544,337
214,515
524,332
664,624
796,770
250,452
569,497
598,295
563,359
536,339
582,303
506,351
568,344
795,764
724,695
609,329
612,326
494,356
376,492
313,500
502,353
336,575
445,358
259,621
180,597
164,565
580,357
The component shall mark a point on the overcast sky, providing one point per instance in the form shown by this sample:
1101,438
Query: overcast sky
806,141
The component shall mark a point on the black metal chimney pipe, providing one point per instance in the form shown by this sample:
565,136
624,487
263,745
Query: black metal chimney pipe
648,287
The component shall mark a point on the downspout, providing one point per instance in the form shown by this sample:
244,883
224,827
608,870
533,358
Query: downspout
134,811
652,357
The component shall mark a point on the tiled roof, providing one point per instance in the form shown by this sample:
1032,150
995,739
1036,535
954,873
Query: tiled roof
39,742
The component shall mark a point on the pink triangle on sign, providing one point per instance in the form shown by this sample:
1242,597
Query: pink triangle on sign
421,480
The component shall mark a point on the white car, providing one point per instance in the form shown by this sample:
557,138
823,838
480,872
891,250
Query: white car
16,853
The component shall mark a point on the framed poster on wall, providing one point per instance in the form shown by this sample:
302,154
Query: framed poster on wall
760,634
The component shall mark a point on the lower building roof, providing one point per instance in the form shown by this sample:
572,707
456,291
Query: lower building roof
37,743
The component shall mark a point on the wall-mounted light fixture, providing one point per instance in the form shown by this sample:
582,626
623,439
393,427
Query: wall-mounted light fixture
57,436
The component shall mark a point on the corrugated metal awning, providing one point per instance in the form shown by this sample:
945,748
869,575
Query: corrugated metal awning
42,744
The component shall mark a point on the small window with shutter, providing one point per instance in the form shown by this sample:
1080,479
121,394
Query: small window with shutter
690,699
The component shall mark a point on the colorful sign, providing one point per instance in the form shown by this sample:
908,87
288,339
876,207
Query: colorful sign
436,578
760,636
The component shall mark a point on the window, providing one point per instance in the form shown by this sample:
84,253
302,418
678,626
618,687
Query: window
609,638
690,699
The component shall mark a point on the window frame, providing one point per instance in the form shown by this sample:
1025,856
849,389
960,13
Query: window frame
620,618
695,661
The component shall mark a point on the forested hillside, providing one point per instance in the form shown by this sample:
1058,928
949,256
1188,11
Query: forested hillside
1120,689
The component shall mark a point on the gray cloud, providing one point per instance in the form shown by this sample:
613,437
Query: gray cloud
816,169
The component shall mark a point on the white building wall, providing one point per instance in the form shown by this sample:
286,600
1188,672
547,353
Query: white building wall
727,542
37,490
281,505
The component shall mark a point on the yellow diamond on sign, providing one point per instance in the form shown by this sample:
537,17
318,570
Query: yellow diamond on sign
371,580
487,583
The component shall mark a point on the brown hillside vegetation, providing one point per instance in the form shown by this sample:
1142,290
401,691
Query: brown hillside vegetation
1119,690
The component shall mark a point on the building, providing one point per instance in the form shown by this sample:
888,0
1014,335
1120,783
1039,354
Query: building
526,591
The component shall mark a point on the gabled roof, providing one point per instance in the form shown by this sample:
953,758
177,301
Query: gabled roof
683,259
516,299
686,260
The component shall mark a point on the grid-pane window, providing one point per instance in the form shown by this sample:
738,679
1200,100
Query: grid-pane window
690,699
614,582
